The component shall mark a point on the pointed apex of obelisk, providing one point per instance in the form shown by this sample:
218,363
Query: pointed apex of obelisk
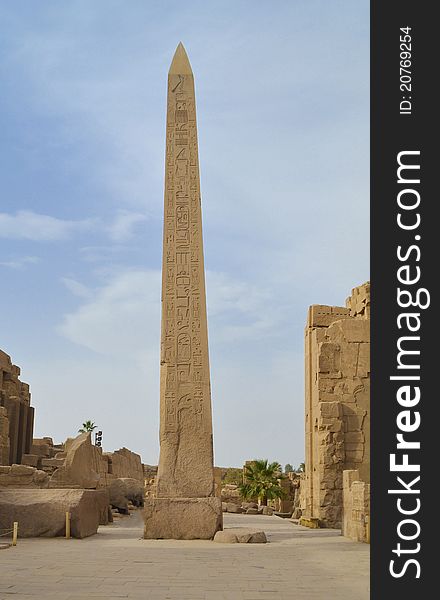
180,64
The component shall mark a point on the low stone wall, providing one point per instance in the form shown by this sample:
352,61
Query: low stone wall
22,476
356,507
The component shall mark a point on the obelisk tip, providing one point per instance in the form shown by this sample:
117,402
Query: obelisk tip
180,64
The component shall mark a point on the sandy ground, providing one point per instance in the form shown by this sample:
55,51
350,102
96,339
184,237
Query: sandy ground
297,564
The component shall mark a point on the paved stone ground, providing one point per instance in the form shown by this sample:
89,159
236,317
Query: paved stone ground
297,564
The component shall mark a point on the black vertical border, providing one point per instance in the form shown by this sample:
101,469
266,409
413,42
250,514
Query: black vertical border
390,134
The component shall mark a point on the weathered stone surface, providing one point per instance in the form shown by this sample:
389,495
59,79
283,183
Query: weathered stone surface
30,459
43,512
268,511
186,457
125,463
52,462
80,467
118,498
186,506
22,476
356,507
337,361
182,518
41,449
240,535
252,511
225,537
134,490
102,500
125,490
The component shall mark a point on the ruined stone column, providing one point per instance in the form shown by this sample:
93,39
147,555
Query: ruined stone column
185,506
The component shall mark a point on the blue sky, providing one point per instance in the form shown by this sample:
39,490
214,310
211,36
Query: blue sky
283,114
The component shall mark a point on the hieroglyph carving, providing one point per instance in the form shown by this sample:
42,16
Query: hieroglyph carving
185,385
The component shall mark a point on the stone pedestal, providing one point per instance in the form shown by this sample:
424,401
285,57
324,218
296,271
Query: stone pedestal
182,518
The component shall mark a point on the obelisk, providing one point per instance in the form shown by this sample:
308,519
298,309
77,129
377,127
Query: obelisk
185,506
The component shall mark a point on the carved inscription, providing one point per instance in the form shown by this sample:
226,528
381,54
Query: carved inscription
184,335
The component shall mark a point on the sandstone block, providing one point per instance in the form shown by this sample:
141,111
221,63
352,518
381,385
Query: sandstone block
102,500
240,535
323,316
350,330
117,494
40,449
331,410
268,511
30,460
354,437
52,462
225,537
182,518
78,469
43,512
354,456
22,470
134,490
311,522
252,511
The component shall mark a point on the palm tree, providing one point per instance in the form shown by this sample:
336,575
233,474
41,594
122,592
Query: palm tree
87,426
261,480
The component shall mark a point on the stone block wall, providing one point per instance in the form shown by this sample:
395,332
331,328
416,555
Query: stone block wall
22,476
337,403
356,507
15,398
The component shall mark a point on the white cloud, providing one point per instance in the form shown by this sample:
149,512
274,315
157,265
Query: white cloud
21,262
124,314
120,318
77,288
28,225
124,225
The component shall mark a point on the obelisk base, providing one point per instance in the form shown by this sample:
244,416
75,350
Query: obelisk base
182,518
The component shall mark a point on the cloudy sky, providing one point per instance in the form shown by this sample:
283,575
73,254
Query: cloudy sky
283,114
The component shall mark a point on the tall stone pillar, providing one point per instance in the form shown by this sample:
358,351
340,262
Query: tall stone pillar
185,506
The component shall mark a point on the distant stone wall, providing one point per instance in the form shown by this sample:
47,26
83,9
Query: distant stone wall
15,398
356,507
337,403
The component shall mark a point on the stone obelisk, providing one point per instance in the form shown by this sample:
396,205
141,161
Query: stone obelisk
185,506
